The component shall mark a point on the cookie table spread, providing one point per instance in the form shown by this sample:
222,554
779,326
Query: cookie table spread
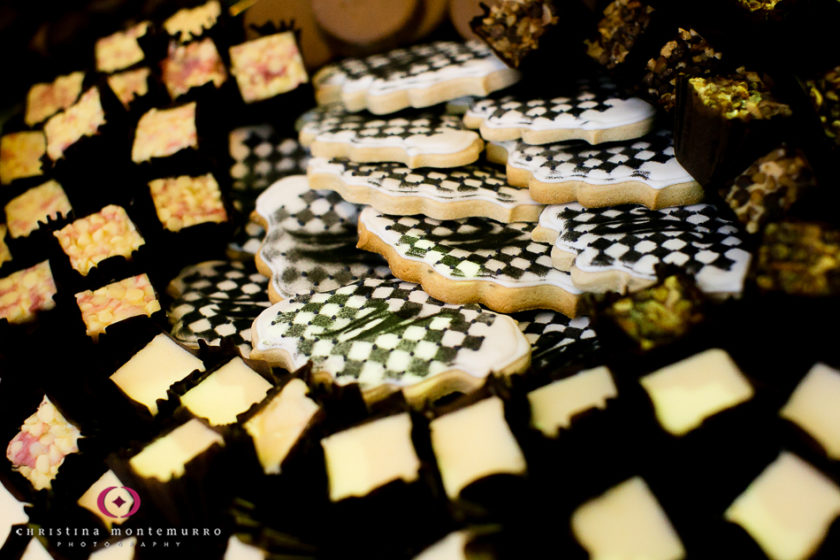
261,300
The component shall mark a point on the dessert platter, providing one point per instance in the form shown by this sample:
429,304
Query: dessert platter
560,281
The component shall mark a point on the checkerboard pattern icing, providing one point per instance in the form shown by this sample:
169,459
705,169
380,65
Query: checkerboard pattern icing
593,104
414,66
310,244
382,330
326,122
635,239
471,248
215,300
649,160
555,339
470,182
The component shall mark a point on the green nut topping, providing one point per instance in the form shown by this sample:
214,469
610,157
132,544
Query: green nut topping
743,96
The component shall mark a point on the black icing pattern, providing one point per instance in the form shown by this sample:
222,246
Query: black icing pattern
311,244
333,119
609,162
260,156
217,300
401,64
476,248
555,339
452,184
692,237
591,96
382,330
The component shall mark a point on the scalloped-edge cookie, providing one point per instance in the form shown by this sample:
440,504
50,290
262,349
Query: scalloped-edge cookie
416,139
443,194
416,76
388,335
310,241
644,171
616,249
595,111
213,300
472,260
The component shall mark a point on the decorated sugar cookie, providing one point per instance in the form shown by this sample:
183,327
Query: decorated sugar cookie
471,260
417,76
616,249
642,171
595,111
415,139
389,335
213,300
393,188
556,339
310,242
260,156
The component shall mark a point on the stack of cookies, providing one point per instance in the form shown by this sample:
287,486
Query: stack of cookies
462,307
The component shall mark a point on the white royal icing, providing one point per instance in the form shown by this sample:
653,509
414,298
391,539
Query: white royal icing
482,183
593,107
536,268
646,161
712,239
503,344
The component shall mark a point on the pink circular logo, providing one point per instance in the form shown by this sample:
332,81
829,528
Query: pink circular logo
113,503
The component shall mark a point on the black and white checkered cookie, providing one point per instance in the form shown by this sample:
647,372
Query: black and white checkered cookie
630,241
643,171
215,300
310,243
393,188
417,139
555,339
260,157
596,112
387,332
471,260
417,76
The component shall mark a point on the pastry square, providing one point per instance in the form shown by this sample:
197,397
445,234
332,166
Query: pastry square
147,375
39,448
185,201
130,85
788,509
92,239
166,457
627,521
25,292
227,392
368,456
20,155
116,302
687,392
279,425
267,66
189,23
80,120
46,99
164,132
474,442
121,49
5,254
25,212
192,65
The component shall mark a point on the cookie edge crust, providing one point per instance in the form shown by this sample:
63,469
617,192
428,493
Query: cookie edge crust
532,136
367,154
495,296
596,196
417,394
411,205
